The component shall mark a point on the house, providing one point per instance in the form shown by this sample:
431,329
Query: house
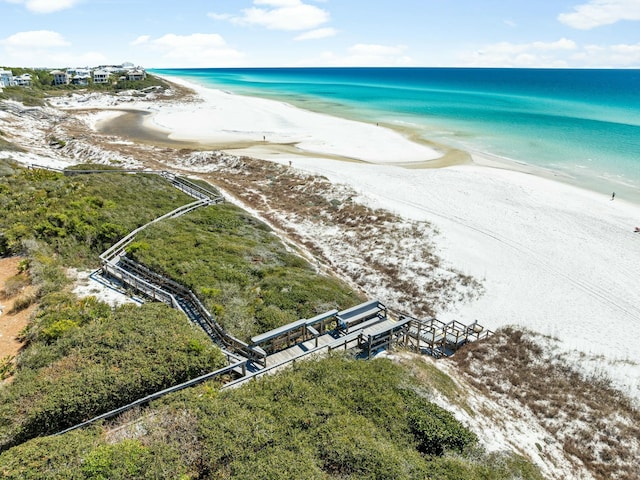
136,74
6,78
101,76
79,76
60,77
80,79
23,80
72,72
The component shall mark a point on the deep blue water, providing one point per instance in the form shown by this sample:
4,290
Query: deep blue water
584,124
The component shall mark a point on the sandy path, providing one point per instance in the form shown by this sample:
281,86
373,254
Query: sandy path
10,324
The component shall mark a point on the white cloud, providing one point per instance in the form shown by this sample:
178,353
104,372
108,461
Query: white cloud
523,55
563,53
36,38
562,44
141,40
596,13
287,15
219,16
367,55
317,34
609,56
46,6
45,48
195,50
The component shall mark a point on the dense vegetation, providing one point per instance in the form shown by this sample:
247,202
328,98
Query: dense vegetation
82,357
77,216
239,269
330,419
42,86
88,359
335,418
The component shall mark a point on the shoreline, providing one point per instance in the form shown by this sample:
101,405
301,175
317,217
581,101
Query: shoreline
258,141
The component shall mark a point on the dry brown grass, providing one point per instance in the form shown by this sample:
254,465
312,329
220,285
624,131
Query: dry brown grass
13,285
594,422
375,249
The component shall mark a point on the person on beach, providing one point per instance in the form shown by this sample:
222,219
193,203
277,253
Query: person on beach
613,195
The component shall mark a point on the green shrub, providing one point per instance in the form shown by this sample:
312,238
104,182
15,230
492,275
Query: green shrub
332,418
107,363
79,216
435,429
57,330
51,458
130,459
241,271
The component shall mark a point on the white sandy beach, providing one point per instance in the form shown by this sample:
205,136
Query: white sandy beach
554,258
226,118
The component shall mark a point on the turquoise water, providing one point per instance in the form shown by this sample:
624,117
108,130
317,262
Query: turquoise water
581,124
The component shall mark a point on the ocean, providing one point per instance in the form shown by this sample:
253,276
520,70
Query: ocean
581,125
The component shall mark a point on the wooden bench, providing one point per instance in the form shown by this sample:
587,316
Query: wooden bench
385,334
360,313
281,336
294,332
319,322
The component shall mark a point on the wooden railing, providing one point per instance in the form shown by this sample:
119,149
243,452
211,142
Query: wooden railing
235,364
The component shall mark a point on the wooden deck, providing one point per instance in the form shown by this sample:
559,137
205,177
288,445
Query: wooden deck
332,340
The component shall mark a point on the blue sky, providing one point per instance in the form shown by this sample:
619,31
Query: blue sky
279,33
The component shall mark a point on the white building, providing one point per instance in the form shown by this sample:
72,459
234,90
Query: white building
60,77
101,76
136,74
80,79
6,78
23,80
79,76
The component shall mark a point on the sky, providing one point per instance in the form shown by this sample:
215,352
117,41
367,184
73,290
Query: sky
319,33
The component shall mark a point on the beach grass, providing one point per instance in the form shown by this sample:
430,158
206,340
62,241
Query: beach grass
594,422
